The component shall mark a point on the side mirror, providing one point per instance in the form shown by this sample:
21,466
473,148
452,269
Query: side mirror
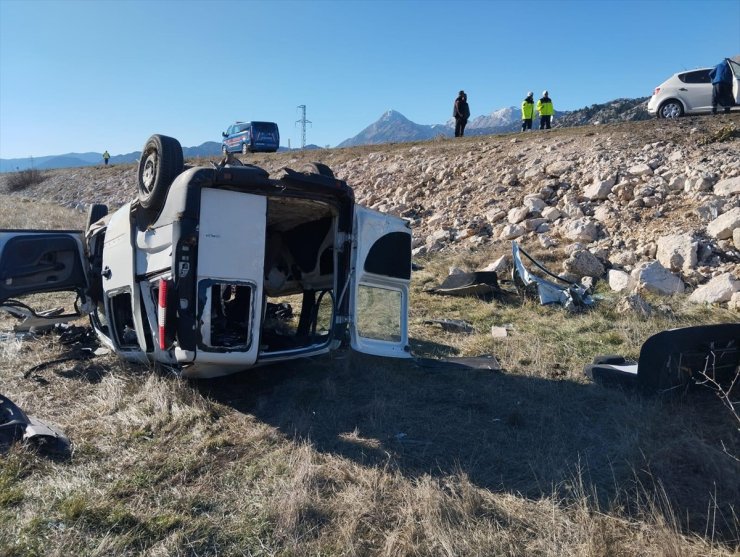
224,134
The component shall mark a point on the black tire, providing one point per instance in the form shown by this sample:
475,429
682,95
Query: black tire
319,168
95,212
245,149
161,161
671,109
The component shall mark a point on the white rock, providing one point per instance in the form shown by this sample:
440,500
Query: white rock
734,302
677,183
551,213
582,230
455,271
599,189
677,252
634,304
559,168
736,238
723,226
533,224
603,213
583,263
495,215
534,204
512,231
653,277
618,280
499,265
499,332
728,187
517,214
640,170
719,289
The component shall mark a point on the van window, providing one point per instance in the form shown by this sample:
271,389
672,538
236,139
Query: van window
242,128
379,313
123,321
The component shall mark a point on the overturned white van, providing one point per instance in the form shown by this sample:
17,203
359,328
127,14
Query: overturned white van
204,270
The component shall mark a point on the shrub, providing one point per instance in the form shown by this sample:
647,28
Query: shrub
18,181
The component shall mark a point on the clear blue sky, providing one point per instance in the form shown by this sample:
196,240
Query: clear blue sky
78,76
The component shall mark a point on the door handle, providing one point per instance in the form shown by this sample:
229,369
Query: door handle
683,89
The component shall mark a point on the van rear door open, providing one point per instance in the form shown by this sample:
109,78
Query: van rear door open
231,255
379,289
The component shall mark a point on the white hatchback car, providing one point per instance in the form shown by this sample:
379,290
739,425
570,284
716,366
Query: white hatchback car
689,93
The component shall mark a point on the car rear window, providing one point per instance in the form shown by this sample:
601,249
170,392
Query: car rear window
698,76
264,127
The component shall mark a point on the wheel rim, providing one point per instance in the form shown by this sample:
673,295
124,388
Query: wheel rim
671,110
150,172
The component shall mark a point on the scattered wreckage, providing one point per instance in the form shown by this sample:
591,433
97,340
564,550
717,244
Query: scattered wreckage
485,284
189,274
16,426
676,359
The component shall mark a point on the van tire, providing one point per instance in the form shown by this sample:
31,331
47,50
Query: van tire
161,161
95,212
319,168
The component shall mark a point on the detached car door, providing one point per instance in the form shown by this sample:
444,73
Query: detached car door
735,67
379,287
32,262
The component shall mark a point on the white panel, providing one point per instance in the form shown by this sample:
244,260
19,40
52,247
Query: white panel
232,236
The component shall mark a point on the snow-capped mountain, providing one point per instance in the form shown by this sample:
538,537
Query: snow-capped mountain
393,127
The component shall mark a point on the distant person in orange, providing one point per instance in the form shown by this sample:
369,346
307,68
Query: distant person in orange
106,156
461,112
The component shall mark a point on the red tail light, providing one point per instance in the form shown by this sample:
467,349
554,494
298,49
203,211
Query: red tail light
162,314
657,90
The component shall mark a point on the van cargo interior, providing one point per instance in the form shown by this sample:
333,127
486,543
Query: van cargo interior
299,274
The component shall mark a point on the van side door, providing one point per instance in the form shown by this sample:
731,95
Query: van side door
379,284
32,262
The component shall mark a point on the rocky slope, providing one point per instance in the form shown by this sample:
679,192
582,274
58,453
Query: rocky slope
651,205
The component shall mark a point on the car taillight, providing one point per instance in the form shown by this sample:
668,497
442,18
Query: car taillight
657,90
162,313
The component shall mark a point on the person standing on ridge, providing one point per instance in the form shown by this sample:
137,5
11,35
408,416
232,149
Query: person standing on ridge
721,77
544,107
106,156
461,112
527,111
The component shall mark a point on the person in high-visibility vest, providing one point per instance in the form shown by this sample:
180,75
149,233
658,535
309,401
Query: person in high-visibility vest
527,111
544,107
106,156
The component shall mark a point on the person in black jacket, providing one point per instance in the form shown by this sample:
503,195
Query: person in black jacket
461,112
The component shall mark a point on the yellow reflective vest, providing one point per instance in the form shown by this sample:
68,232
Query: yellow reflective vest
527,109
544,107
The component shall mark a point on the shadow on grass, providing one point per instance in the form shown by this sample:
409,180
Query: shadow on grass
523,435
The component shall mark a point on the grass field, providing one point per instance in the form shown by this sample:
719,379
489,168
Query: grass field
355,455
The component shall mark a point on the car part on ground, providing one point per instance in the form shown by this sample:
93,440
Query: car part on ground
482,284
453,363
570,295
676,359
452,325
16,426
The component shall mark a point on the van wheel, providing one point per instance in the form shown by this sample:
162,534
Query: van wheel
671,109
319,168
244,149
95,212
161,161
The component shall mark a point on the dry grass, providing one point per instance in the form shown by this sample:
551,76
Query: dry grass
25,213
353,455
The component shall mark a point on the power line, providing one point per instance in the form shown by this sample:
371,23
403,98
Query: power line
303,123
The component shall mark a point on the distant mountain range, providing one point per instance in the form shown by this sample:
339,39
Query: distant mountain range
394,127
391,127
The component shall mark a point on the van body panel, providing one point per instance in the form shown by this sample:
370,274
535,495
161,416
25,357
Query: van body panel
379,288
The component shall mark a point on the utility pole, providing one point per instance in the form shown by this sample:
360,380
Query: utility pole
303,123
